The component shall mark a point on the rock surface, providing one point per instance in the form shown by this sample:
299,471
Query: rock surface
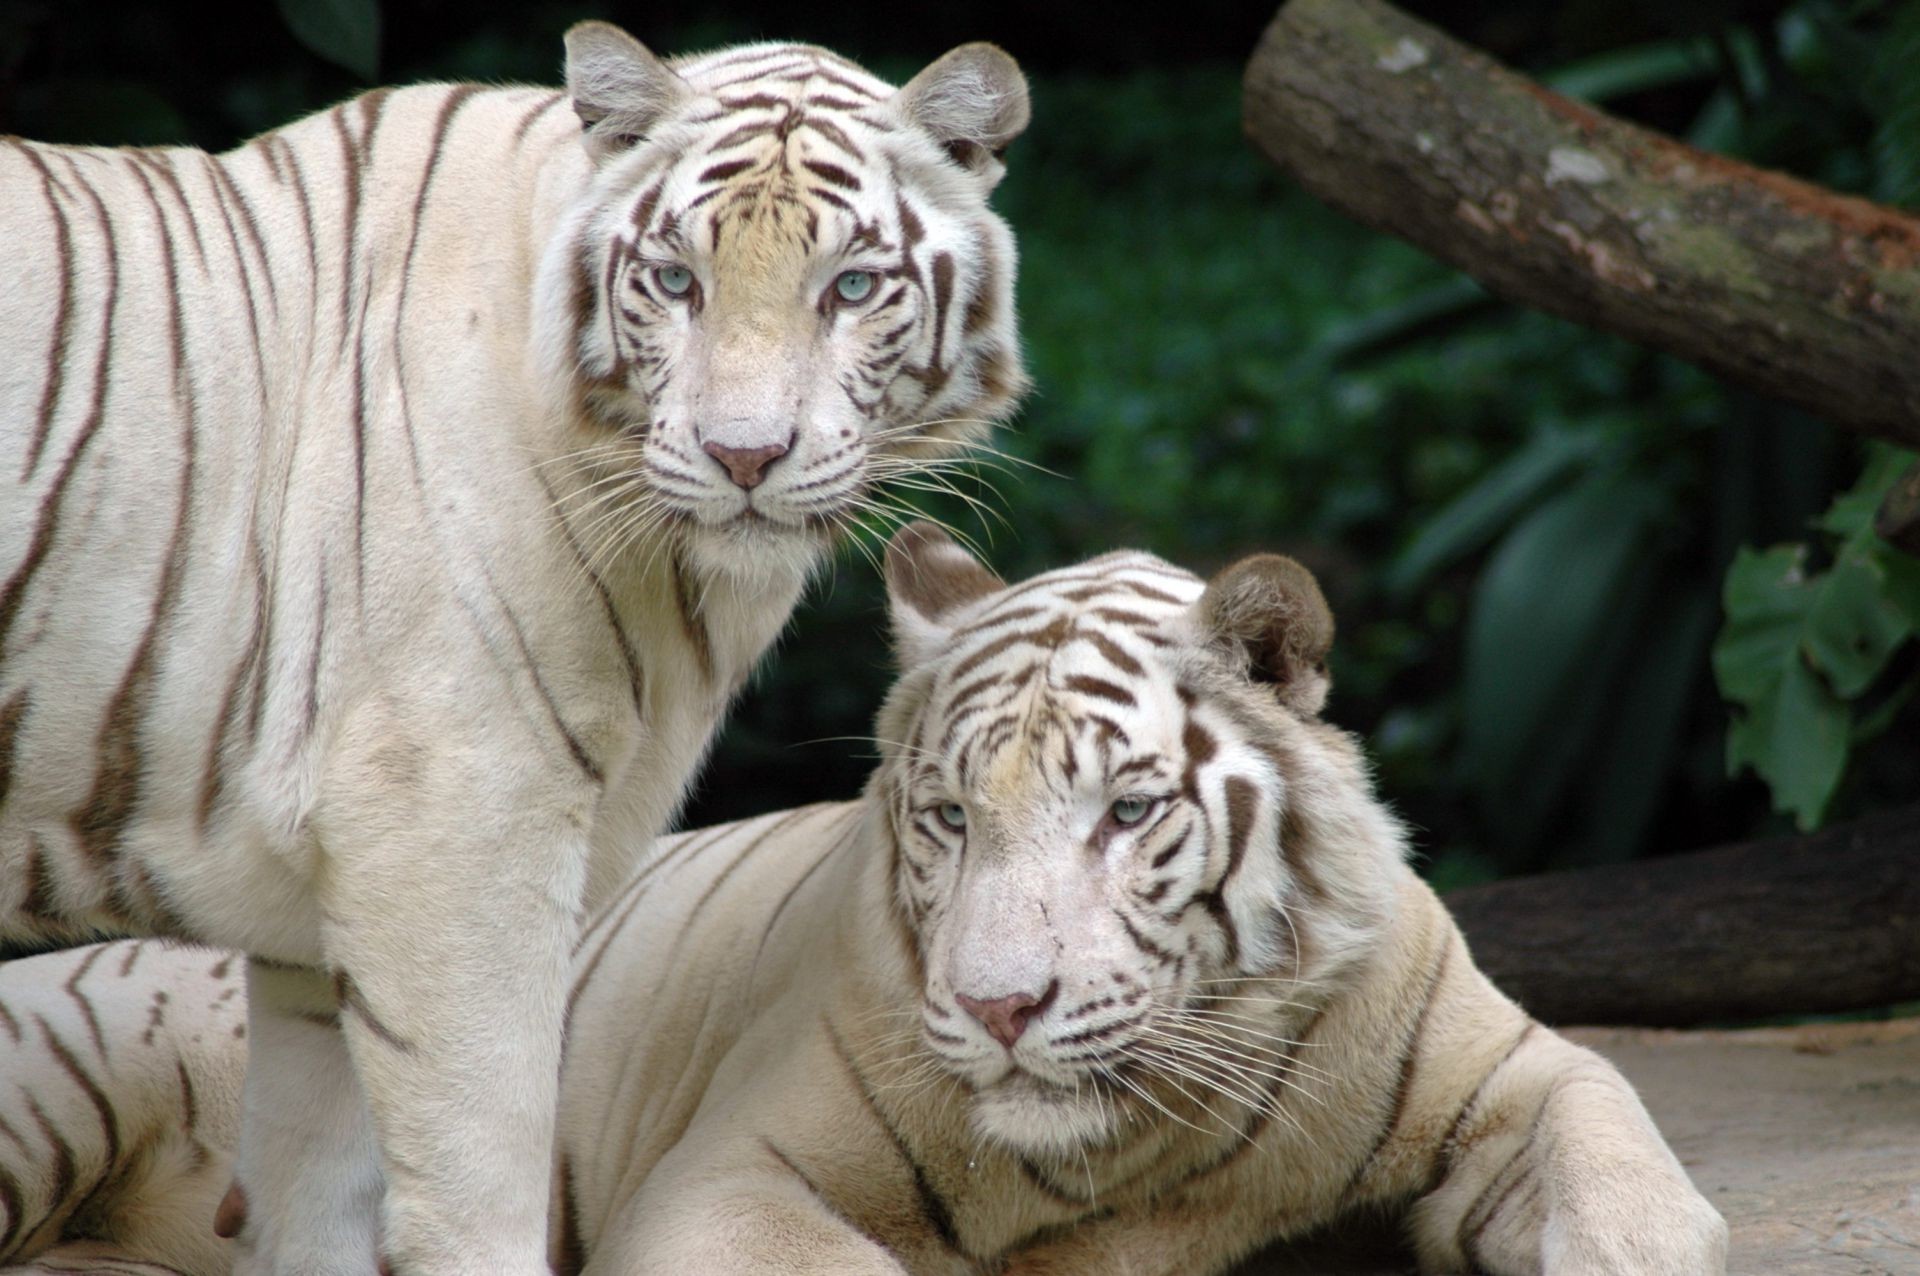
1806,1139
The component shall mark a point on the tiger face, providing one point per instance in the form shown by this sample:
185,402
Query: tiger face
787,284
1095,782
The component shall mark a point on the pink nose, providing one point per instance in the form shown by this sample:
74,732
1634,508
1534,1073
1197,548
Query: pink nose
1007,1017
747,466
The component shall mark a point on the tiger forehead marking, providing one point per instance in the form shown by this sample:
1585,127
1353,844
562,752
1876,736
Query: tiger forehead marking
1055,671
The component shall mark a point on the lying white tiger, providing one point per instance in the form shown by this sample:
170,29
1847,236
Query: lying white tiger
395,503
1116,968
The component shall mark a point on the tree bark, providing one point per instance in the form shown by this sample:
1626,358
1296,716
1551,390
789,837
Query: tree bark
1795,925
1771,282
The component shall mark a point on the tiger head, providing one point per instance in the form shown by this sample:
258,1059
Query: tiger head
1130,853
785,285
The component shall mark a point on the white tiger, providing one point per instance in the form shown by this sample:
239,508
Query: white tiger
396,502
1116,968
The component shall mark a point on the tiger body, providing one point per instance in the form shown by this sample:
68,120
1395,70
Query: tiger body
1117,966
384,542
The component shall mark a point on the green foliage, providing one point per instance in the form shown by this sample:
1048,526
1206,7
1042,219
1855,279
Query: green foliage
1801,648
344,32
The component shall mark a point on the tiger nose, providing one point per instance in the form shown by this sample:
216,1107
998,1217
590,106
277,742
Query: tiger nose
1007,1017
747,466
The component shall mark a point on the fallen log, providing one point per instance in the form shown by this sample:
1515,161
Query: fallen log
1817,924
1771,282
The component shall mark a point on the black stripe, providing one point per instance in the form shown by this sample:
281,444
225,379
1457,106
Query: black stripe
189,1105
1100,688
347,994
691,625
91,1088
933,1208
526,122
722,171
50,506
72,989
571,1256
1409,1056
579,751
230,193
63,316
773,920
633,892
11,718
720,879
101,820
942,297
832,173
306,211
16,1209
212,774
636,680
1449,1147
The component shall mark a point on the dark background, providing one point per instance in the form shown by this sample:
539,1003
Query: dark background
1523,526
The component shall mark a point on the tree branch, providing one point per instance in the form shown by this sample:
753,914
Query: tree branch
1794,925
1768,281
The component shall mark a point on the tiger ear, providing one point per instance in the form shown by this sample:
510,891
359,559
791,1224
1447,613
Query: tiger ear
620,89
1270,611
973,100
929,577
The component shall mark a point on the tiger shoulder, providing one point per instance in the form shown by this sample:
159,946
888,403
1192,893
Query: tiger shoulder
1116,965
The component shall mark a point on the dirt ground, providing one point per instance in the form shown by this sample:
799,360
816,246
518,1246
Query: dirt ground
1806,1139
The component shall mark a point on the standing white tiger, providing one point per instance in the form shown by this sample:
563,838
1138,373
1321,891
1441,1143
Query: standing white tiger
394,504
1117,969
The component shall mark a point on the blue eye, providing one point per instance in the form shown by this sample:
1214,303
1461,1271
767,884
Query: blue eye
1131,810
853,286
675,281
952,814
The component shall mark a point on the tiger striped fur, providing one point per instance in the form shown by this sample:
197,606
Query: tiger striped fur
395,504
1117,967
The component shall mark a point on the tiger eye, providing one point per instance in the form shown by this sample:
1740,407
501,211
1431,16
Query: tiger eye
675,281
853,286
1131,810
952,814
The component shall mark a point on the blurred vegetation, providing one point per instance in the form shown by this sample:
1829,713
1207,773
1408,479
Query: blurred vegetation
1527,530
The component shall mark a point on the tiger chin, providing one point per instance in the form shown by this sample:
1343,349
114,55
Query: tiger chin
1117,966
398,500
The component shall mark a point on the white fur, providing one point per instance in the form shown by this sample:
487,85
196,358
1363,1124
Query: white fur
370,598
753,1083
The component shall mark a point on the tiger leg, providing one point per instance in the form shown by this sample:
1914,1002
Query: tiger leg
454,1029
1560,1171
120,1069
737,1220
307,1178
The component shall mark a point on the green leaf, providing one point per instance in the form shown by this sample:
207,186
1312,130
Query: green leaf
1852,628
1536,616
1900,573
1767,597
344,32
1797,741
1478,514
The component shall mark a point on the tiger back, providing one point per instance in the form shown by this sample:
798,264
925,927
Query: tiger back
1116,966
394,504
